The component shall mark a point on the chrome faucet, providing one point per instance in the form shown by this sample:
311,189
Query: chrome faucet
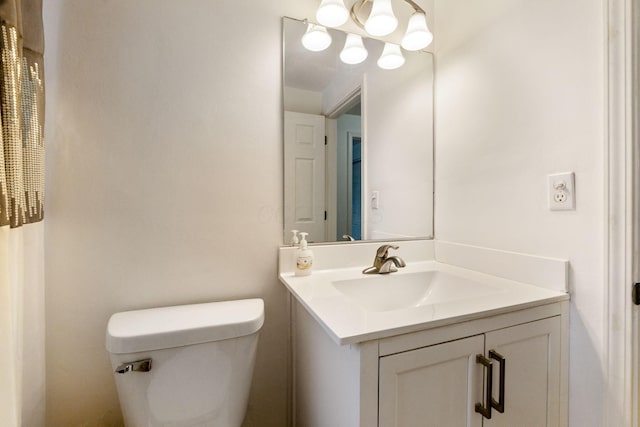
384,264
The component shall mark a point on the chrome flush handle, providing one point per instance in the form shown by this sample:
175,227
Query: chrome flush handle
137,366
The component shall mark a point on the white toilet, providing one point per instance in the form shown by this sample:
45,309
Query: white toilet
187,365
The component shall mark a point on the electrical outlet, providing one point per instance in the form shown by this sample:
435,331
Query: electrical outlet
560,197
561,188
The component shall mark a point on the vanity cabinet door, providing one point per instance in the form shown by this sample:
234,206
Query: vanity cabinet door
532,374
435,386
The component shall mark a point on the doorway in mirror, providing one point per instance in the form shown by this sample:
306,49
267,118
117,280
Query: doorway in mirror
355,174
304,173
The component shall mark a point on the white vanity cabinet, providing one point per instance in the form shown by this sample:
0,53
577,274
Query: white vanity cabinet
440,385
435,386
432,378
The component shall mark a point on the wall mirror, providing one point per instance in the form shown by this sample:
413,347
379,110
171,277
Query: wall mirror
358,142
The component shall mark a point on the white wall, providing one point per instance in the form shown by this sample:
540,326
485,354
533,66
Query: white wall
165,159
302,101
520,95
398,137
164,177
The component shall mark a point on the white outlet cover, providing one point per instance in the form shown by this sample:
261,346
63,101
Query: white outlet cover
555,187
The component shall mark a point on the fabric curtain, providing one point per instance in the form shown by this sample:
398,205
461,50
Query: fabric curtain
22,378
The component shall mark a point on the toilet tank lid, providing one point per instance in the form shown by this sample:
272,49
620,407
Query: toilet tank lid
167,327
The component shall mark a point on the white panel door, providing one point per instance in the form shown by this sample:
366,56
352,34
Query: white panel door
435,386
304,175
532,373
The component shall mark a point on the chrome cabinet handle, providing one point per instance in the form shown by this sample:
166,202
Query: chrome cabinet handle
499,405
486,409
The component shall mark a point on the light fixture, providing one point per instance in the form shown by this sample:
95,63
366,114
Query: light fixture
354,51
316,38
418,35
377,19
332,13
391,57
381,21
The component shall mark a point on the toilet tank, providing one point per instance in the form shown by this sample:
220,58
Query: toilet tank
201,362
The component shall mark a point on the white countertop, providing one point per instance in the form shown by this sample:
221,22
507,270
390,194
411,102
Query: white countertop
347,322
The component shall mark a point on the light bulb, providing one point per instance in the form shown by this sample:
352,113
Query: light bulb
354,51
381,21
391,57
316,38
418,35
332,13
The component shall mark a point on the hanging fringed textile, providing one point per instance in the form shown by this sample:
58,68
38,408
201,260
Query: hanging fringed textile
22,341
21,117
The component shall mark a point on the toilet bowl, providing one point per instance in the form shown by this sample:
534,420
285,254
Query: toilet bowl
185,366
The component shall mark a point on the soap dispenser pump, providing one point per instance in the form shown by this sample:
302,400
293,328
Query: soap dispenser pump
304,260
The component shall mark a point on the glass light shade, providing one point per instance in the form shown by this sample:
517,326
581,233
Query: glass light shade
354,51
418,35
381,21
332,13
316,38
391,57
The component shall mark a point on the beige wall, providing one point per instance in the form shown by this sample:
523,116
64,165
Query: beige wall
164,168
302,101
519,96
164,178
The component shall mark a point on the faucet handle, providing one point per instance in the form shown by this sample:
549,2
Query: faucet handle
384,249
387,267
382,264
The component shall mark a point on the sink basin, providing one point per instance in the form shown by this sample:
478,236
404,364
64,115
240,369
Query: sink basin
400,291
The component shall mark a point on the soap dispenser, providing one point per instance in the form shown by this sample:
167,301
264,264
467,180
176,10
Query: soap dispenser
294,238
304,259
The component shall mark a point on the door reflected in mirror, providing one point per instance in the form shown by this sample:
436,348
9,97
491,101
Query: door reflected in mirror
358,143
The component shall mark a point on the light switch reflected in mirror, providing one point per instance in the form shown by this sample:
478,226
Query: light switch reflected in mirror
358,142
